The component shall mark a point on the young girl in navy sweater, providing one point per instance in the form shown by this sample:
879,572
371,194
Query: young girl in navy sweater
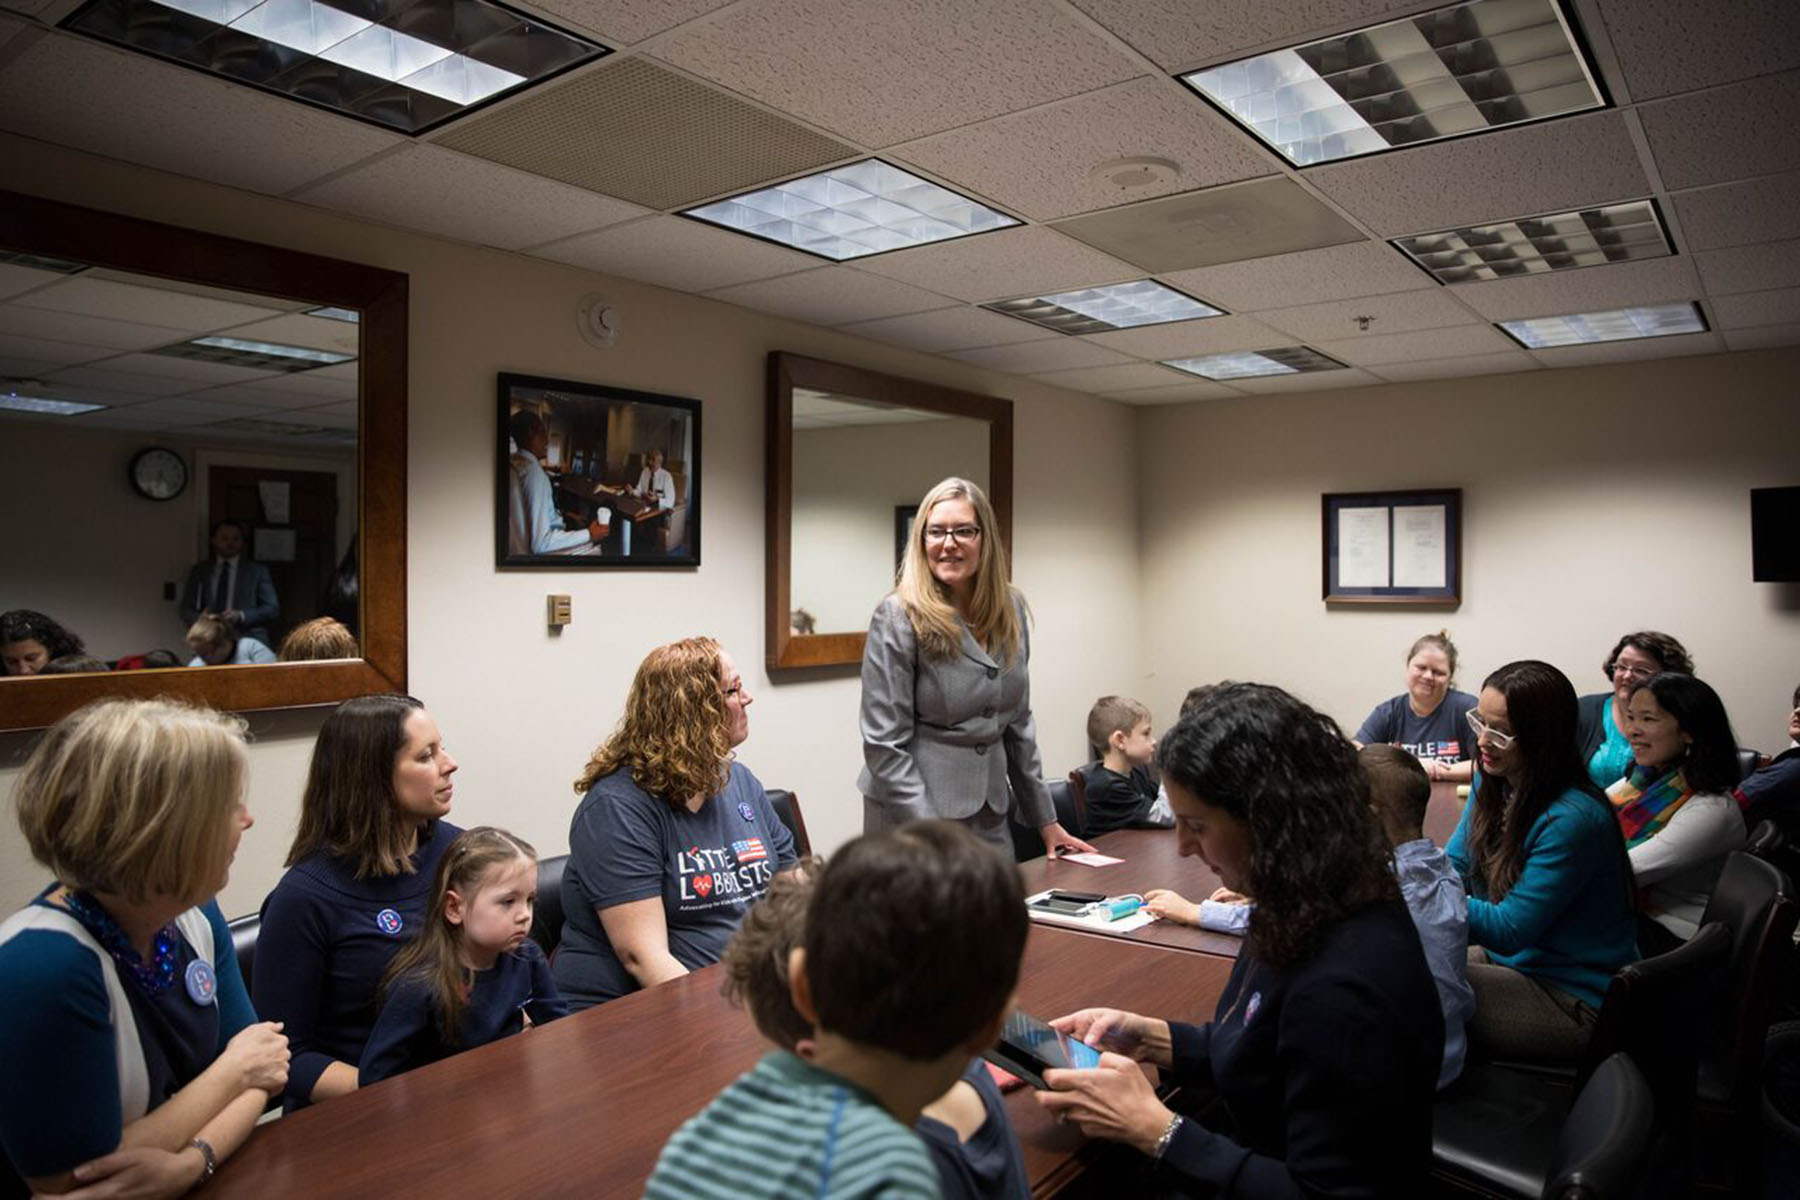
473,975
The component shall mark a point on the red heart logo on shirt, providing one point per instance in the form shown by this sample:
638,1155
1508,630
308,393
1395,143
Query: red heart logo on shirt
703,885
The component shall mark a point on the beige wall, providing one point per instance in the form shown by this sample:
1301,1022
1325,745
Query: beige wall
521,708
847,481
1597,500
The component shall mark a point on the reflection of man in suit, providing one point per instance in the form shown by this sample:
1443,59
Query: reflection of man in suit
534,526
231,587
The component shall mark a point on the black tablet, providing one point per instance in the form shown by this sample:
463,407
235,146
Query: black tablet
1028,1047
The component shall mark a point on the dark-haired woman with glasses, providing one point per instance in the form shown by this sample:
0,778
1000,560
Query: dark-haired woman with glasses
946,699
1550,892
1600,718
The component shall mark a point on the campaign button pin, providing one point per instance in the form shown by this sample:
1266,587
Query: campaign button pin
202,984
389,922
745,811
1251,1009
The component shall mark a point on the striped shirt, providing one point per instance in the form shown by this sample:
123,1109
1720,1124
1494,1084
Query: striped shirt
787,1129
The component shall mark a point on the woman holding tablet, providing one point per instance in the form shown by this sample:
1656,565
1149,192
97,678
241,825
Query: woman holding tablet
946,697
1327,1040
1600,718
1427,721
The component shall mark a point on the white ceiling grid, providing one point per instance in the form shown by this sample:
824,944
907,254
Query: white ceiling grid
1020,104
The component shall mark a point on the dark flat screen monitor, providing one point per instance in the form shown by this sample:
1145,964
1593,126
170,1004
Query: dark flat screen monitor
1775,534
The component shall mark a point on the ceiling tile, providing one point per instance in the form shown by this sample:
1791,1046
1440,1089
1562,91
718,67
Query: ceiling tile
265,398
1023,261
1452,368
830,296
1727,133
879,72
1401,312
1040,163
1198,389
1126,377
1777,307
439,191
68,90
336,382
39,350
1553,166
1333,273
195,371
1632,351
1718,43
106,336
632,128
1188,339
1063,353
1216,225
17,280
1750,268
299,329
1306,381
96,297
623,22
959,328
107,378
1377,349
675,252
1585,289
1180,33
194,406
1762,336
1756,210
25,368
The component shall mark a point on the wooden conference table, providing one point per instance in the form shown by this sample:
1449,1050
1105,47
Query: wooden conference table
1153,860
581,1107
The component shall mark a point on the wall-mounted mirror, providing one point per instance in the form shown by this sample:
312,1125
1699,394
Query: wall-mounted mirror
849,453
201,426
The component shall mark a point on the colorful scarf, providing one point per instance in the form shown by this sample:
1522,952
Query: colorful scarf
1646,799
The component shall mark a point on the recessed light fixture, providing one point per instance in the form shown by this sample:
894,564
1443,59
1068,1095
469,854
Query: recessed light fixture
45,405
348,315
1115,306
1612,325
266,356
38,262
1250,364
1463,69
1533,245
408,66
865,208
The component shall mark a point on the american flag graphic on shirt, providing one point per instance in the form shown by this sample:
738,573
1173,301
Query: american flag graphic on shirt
749,850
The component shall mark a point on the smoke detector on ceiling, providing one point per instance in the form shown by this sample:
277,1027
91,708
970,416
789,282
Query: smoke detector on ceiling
1130,174
598,321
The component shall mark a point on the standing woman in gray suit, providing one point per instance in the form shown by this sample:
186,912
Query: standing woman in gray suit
946,701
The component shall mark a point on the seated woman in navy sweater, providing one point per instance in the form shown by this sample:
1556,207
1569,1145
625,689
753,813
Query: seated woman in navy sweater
1550,892
1600,718
371,833
133,1061
1326,1043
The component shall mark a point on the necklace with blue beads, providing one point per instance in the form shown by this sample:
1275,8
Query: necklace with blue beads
153,977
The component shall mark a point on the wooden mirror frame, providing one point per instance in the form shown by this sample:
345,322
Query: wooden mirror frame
102,239
785,650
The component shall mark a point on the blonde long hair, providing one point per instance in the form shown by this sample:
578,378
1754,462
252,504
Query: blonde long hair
993,604
675,736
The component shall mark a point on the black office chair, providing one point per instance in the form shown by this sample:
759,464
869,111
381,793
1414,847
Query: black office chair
244,931
1077,802
1604,1149
547,920
1781,1110
1748,761
787,807
1027,842
1495,1130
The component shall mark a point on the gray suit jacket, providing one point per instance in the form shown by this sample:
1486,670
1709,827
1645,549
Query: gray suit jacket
252,593
945,737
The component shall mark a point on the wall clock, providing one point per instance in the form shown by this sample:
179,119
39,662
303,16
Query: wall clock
158,474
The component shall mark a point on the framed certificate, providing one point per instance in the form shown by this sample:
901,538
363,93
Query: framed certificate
1393,547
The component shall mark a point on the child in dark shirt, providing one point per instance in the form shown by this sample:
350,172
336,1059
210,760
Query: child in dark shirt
966,1130
473,975
1120,788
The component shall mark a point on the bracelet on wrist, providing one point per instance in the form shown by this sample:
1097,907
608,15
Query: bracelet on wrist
209,1162
1168,1135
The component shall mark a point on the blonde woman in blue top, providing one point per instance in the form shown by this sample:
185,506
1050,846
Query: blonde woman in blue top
1550,891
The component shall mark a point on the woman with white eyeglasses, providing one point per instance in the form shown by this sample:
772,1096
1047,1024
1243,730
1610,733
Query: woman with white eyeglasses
946,698
1600,719
1543,862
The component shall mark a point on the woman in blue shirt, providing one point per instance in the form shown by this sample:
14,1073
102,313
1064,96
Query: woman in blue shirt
133,1060
1600,718
1550,890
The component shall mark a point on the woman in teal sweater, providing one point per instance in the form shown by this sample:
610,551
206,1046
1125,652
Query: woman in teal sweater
1550,891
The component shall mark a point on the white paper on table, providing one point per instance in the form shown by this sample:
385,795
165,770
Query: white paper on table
1362,547
1096,921
274,494
1419,545
1094,859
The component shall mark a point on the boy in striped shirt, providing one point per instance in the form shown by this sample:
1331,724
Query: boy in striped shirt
913,941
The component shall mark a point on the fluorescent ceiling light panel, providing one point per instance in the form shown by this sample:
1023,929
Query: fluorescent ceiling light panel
1250,364
266,356
44,404
406,65
1463,69
1613,325
1531,246
37,262
349,315
1115,306
865,208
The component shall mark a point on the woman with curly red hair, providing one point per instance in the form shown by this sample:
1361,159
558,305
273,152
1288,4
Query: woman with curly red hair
673,841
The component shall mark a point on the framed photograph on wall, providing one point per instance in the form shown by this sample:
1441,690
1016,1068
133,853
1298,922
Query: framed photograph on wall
903,519
588,475
1402,547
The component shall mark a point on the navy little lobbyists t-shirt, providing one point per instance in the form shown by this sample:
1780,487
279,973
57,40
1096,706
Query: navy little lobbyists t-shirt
1444,734
707,867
